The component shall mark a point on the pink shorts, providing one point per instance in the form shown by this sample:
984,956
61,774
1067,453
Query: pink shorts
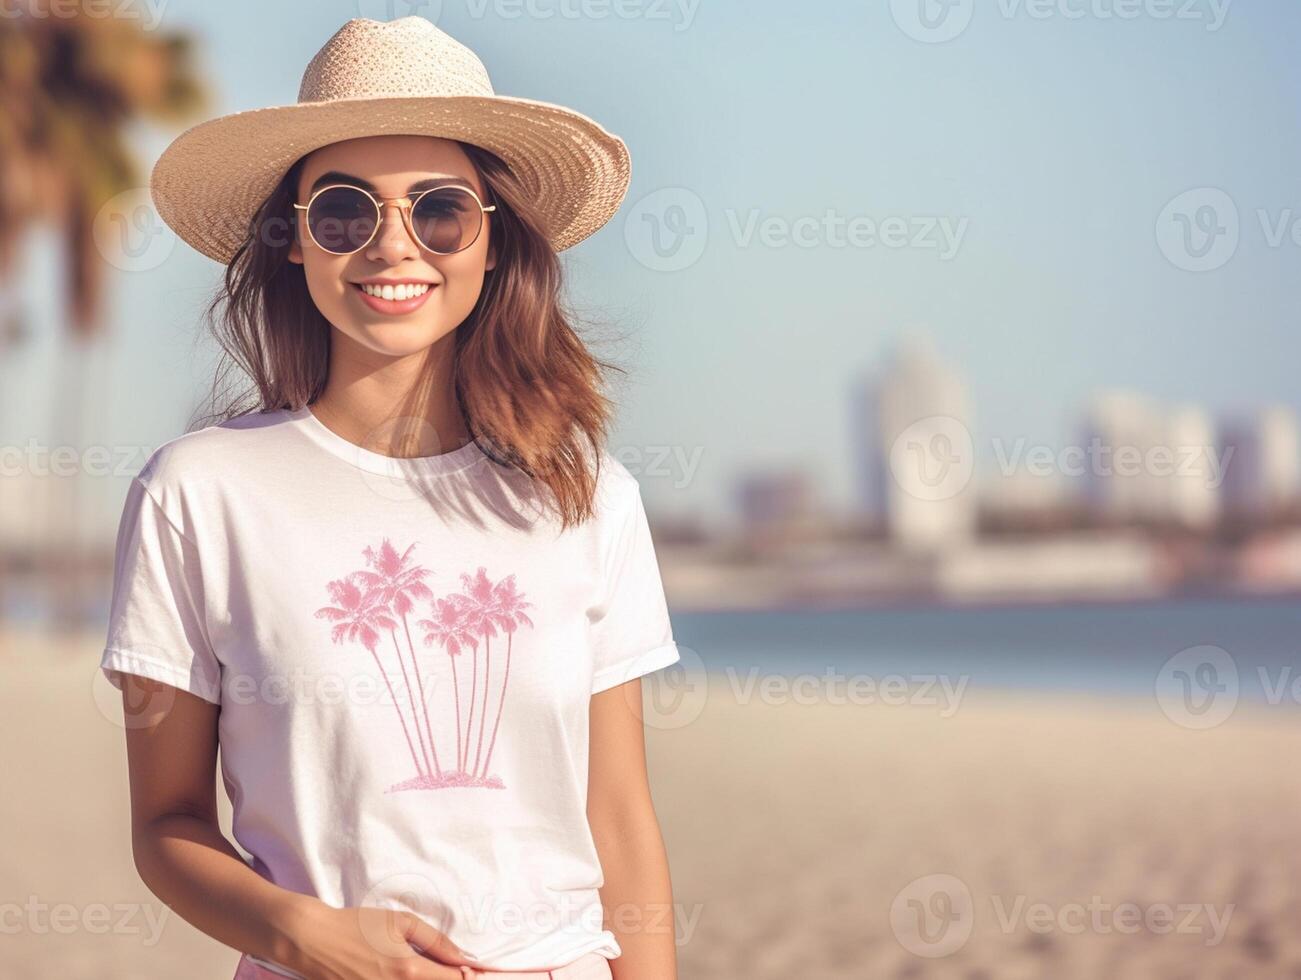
592,966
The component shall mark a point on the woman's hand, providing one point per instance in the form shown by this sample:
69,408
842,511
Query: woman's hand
372,944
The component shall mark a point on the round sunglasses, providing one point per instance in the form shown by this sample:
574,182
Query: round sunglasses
342,219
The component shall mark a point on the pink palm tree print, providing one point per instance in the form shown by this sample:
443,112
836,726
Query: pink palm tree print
358,618
508,610
480,608
451,628
398,584
382,597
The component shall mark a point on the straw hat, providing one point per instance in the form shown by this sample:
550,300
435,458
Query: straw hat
373,78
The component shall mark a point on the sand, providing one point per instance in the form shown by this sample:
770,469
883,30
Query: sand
1007,837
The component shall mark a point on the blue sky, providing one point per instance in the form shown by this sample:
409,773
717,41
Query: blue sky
1045,137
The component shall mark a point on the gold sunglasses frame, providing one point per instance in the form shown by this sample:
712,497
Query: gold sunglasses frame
405,206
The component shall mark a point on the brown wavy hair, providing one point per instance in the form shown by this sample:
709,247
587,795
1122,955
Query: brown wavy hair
528,388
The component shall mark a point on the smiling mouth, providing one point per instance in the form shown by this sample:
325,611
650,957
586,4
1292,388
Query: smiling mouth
394,298
402,291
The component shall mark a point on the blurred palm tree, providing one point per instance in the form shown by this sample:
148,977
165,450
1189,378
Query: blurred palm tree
70,89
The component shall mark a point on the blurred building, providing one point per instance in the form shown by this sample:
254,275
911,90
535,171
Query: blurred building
1263,462
26,524
1195,484
775,503
1146,462
914,426
1022,491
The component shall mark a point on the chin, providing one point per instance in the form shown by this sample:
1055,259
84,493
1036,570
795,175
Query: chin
397,339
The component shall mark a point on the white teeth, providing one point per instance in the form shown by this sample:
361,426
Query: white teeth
399,292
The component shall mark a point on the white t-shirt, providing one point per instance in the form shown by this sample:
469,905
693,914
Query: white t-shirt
404,652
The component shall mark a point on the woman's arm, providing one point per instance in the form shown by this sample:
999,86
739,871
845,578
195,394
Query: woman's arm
178,847
637,894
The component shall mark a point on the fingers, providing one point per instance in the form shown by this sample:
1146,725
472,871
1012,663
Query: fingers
433,943
419,968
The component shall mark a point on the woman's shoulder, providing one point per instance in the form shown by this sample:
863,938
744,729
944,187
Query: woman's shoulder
205,456
617,490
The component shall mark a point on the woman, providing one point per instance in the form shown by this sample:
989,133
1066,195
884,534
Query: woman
409,595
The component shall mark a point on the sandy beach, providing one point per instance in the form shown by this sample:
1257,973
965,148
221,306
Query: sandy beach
1017,837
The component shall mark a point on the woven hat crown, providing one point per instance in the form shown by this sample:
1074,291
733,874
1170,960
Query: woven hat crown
405,57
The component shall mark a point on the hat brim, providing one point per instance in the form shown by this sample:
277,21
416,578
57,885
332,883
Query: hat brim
210,181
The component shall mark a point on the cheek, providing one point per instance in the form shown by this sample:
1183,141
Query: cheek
463,278
326,283
325,279
463,284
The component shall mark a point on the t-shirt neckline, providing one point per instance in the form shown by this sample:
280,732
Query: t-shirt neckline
305,420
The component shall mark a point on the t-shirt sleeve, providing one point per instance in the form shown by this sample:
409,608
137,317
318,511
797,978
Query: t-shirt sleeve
157,627
631,633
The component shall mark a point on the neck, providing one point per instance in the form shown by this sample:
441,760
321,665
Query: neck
403,407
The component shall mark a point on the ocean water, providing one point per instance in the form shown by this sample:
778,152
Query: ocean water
1123,648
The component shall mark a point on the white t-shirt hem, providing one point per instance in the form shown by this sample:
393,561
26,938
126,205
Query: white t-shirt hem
631,668
127,662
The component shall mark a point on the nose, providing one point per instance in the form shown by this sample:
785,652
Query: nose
392,243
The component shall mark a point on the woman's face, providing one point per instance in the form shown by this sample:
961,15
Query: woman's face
389,166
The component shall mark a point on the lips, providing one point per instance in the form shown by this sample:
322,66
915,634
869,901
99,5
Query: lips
394,298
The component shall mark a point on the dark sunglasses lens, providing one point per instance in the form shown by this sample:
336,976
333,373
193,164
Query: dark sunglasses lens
341,219
447,219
